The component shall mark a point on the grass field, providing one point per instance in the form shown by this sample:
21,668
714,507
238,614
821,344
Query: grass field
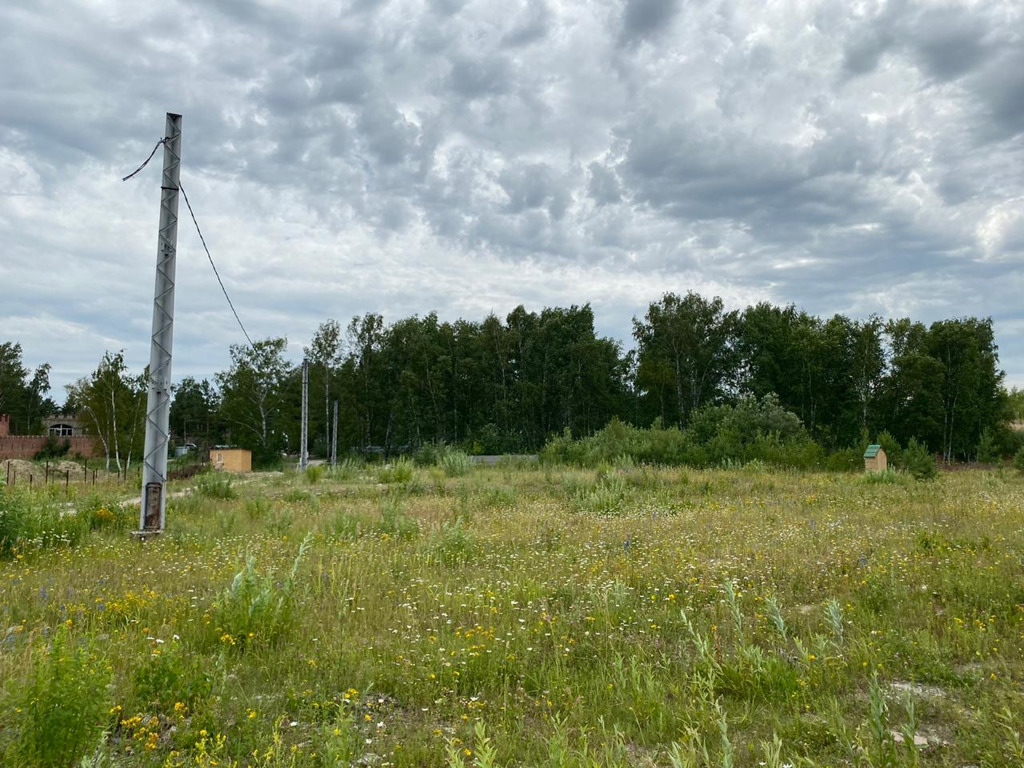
520,615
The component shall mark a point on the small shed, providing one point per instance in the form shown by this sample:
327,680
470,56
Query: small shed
230,459
874,459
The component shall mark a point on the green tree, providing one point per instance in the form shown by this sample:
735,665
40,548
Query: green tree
252,392
194,410
23,396
365,372
910,399
971,382
113,402
324,354
687,351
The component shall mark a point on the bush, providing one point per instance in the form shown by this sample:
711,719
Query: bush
1018,461
257,609
62,709
455,463
891,446
314,473
393,521
346,470
988,449
106,515
400,472
454,545
215,485
845,460
27,522
919,461
886,477
173,676
53,448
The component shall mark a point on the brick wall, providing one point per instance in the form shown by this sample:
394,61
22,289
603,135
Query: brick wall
27,446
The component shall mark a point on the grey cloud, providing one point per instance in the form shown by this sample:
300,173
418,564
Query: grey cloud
765,152
386,131
531,26
642,19
480,77
534,186
1000,89
604,185
865,49
949,41
447,7
945,42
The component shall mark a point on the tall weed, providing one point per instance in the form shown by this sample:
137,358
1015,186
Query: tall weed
257,609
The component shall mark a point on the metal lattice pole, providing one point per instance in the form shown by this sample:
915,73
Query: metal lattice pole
158,403
304,439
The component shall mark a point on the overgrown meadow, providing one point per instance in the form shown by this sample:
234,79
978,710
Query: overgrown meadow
519,615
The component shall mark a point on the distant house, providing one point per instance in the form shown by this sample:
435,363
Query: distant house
64,425
874,459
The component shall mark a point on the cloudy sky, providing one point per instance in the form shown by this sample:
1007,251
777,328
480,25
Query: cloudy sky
466,156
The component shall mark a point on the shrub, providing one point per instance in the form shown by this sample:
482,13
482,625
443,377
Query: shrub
988,450
919,461
891,446
26,522
723,434
53,448
257,609
605,497
314,473
400,472
215,485
107,515
173,676
888,477
63,707
455,463
346,470
1018,461
393,520
454,545
257,508
845,460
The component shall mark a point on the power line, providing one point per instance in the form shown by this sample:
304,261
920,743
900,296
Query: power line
201,239
205,248
146,161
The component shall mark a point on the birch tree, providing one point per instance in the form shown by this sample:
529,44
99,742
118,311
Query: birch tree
113,404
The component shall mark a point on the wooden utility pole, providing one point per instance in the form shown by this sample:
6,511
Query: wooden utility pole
158,404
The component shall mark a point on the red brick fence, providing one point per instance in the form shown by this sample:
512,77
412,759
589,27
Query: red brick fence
27,446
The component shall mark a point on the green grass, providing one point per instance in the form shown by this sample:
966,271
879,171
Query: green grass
508,616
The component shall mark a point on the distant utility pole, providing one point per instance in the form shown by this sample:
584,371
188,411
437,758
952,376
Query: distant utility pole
334,437
158,404
303,440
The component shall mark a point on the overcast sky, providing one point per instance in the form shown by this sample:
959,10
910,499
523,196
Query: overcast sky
466,156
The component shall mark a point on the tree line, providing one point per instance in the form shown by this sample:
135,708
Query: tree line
509,385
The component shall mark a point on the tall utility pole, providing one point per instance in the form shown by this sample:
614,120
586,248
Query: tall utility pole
303,440
334,437
158,403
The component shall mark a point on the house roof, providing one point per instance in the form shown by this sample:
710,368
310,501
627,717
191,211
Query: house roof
872,451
